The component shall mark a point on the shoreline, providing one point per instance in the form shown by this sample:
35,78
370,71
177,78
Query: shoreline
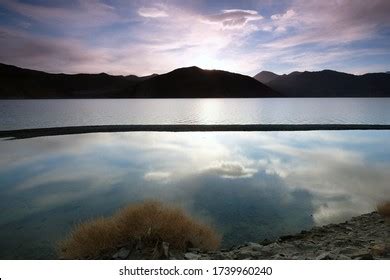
68,130
364,237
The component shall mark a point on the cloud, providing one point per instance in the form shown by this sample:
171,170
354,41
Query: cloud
339,211
331,22
87,13
231,170
157,176
144,37
47,54
186,34
343,181
233,18
318,35
152,12
286,16
150,48
283,21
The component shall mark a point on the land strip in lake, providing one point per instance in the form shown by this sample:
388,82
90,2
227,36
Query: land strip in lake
55,131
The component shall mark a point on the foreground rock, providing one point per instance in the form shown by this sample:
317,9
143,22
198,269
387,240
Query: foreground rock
363,237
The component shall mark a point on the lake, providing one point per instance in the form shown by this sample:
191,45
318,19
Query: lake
248,185
18,114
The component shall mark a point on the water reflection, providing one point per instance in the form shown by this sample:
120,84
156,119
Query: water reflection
19,114
251,185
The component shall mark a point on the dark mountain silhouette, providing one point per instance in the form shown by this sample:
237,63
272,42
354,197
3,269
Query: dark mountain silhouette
195,82
17,82
328,83
266,76
189,82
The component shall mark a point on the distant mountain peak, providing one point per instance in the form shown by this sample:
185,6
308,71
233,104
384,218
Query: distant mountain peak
189,68
192,67
267,72
266,76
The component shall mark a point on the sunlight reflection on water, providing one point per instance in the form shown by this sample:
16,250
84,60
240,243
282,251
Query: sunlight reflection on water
17,114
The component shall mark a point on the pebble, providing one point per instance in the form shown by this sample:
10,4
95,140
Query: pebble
123,253
192,256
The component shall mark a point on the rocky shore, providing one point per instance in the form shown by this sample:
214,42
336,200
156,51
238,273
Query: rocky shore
363,237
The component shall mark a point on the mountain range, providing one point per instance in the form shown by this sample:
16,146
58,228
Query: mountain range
190,82
327,83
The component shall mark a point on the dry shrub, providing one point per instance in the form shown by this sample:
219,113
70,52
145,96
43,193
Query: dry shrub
149,222
90,239
384,209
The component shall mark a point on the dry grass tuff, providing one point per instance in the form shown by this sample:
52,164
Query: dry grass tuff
149,221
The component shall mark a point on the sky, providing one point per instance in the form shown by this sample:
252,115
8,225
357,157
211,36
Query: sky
141,37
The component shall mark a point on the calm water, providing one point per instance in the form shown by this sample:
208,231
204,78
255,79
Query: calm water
250,185
17,114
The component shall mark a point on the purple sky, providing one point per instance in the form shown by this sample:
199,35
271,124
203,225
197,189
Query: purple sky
143,37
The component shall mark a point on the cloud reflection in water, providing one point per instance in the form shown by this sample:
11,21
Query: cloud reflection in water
250,185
